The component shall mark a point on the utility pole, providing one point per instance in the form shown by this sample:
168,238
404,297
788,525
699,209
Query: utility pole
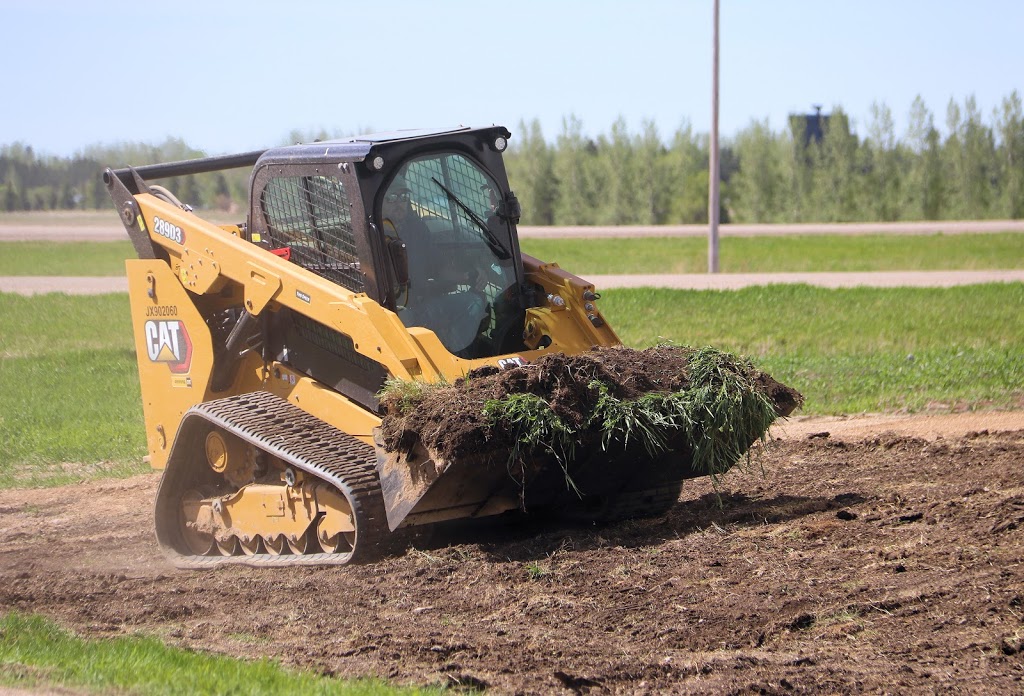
713,163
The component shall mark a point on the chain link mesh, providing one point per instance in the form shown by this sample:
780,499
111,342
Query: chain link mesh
310,215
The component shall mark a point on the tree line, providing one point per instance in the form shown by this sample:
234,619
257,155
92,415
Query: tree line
29,181
809,171
975,170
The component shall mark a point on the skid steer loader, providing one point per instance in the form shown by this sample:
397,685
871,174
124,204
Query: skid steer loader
263,346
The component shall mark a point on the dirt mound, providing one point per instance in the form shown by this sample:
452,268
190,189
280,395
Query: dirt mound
887,564
664,397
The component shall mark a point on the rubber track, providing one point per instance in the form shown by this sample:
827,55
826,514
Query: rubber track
650,502
307,443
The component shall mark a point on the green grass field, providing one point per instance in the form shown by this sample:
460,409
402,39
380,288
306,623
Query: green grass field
791,254
37,654
71,405
64,258
850,350
73,411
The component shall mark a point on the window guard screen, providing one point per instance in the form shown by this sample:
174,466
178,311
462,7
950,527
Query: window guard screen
334,342
461,176
310,215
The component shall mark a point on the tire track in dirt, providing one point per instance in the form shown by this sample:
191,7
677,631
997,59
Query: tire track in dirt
835,564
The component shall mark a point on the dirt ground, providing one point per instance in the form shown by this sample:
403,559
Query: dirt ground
885,556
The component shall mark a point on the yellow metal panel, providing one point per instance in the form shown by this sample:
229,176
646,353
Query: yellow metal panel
198,271
574,331
173,348
269,510
260,287
377,333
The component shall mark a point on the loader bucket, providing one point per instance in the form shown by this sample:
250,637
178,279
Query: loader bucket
421,486
612,431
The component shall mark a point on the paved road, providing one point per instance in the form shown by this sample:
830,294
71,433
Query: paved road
85,285
114,231
63,233
696,281
91,285
734,281
730,230
929,426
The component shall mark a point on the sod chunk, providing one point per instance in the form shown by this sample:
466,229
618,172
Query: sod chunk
716,404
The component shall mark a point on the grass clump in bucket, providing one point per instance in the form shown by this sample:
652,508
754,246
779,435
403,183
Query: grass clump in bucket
704,405
720,412
534,425
723,411
402,396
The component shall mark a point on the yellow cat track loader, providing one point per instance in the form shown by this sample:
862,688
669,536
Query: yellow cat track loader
263,346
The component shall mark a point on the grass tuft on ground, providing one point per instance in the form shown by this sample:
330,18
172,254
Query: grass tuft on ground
71,405
785,254
37,654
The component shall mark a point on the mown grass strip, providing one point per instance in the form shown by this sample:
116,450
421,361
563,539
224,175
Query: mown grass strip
71,408
790,254
785,254
850,350
64,258
37,654
55,324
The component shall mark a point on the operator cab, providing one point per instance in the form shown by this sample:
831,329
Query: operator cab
423,222
442,210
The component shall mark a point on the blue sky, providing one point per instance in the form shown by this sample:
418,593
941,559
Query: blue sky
233,76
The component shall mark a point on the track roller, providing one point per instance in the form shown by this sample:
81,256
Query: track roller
241,486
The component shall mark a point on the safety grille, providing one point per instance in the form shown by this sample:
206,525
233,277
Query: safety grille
334,342
461,177
310,216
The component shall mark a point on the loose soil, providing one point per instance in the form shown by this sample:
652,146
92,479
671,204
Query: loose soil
885,562
451,420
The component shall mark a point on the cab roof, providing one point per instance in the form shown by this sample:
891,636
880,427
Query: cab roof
358,148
